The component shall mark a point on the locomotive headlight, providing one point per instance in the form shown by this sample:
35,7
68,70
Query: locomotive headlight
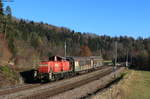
35,73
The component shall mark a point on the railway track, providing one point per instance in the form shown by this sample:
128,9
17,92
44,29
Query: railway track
55,88
15,89
67,86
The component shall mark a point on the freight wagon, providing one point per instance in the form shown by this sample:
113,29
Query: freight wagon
87,63
59,67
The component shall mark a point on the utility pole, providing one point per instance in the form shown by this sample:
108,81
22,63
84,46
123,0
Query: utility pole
131,60
100,52
116,47
127,60
65,49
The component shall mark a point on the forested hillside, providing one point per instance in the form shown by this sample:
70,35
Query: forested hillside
29,42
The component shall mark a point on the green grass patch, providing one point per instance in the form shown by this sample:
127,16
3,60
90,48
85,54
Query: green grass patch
107,61
124,74
8,72
138,86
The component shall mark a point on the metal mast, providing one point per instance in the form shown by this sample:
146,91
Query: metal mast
65,49
127,59
116,45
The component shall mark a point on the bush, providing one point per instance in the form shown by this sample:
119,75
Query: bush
7,71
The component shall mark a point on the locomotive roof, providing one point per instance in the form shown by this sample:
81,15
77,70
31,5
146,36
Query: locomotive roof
58,58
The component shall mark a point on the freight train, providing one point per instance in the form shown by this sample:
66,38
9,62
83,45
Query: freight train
60,67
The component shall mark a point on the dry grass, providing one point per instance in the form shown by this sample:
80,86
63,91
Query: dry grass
136,85
8,77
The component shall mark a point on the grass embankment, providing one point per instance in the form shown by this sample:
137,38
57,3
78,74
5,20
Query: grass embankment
137,86
8,76
134,85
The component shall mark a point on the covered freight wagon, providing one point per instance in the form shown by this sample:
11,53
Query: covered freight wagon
87,63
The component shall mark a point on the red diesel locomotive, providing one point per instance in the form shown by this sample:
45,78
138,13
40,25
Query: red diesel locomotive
57,67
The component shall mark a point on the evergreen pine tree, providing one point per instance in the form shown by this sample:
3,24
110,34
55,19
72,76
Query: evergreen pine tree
1,8
8,12
1,17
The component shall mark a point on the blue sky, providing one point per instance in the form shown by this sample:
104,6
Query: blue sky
109,17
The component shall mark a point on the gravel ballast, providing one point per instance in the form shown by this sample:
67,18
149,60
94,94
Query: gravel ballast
88,89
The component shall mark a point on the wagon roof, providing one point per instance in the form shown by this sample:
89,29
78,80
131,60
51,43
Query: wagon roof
90,57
